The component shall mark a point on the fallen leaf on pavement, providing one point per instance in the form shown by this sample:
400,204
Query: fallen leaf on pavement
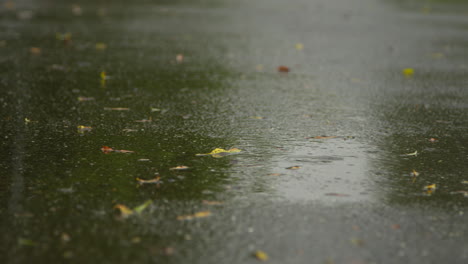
142,207
411,154
414,174
180,58
83,129
126,212
283,69
219,152
123,151
293,168
106,149
84,99
299,46
430,187
195,215
180,168
35,50
129,130
261,255
408,72
142,181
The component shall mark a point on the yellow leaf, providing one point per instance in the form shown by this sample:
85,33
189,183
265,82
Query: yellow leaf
408,72
83,129
430,187
202,214
414,174
195,215
103,75
124,210
219,152
260,255
293,167
299,46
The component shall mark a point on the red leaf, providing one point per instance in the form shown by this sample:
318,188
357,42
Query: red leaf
283,69
106,149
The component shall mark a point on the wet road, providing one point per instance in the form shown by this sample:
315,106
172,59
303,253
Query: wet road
378,153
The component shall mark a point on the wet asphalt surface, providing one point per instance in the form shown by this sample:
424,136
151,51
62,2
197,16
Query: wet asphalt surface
372,117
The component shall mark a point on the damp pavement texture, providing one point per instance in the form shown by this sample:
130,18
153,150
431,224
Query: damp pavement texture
357,155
